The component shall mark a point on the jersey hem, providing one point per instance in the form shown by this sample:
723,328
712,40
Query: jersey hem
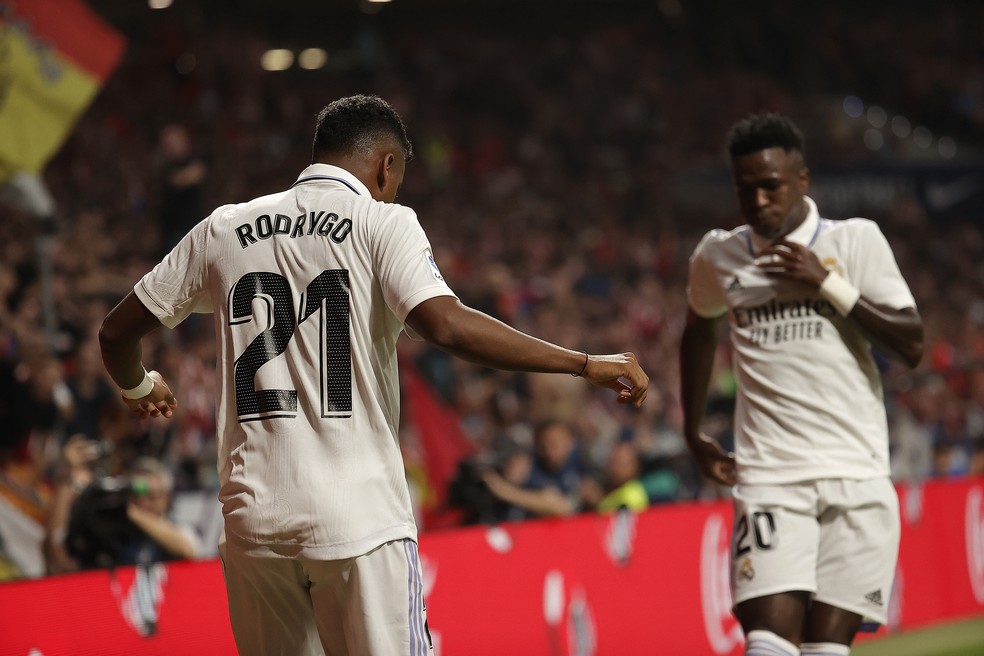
816,476
322,552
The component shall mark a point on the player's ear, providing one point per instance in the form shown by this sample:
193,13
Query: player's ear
384,170
803,180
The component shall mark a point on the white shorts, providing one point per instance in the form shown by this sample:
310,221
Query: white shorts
835,538
370,605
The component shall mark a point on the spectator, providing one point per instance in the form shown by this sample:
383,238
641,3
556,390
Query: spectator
587,245
556,483
624,489
109,521
182,185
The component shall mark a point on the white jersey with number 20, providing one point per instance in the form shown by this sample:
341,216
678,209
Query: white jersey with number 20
809,400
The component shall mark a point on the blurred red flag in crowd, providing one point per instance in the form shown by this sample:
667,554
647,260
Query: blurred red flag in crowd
56,55
441,446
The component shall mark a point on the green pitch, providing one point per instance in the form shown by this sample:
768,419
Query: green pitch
964,638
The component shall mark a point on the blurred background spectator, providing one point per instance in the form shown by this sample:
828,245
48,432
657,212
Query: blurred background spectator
567,164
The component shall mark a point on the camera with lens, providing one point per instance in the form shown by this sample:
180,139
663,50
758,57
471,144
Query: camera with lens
98,526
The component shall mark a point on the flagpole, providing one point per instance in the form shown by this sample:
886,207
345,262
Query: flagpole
32,196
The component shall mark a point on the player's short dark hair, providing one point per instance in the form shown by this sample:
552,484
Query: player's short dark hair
356,122
763,131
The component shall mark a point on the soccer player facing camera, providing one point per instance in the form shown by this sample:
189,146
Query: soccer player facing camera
816,520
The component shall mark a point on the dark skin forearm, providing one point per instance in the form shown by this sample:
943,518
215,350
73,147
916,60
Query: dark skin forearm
697,346
897,333
483,340
119,340
474,336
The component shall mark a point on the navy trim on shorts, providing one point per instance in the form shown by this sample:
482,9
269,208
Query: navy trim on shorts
420,643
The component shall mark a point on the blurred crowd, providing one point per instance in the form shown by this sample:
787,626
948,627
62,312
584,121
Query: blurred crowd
546,173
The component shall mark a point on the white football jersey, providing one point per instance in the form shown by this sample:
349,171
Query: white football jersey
809,400
309,288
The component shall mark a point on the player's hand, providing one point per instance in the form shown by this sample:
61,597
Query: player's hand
787,259
159,403
714,462
620,372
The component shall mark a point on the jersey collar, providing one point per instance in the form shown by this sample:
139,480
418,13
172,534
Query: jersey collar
805,234
327,173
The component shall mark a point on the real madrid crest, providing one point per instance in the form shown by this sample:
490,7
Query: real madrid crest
745,571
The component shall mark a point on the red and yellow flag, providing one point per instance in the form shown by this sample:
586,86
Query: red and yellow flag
54,56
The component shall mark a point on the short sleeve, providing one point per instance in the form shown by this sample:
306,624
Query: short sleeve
875,272
177,286
704,292
404,261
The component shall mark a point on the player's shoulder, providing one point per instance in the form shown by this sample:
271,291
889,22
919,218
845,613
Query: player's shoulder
718,239
234,211
853,223
228,212
853,227
383,216
392,209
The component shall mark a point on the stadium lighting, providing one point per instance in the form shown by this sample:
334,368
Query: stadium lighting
277,59
901,127
877,116
922,137
853,106
312,58
159,4
873,139
947,147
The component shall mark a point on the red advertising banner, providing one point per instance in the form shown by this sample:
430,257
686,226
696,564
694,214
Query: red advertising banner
593,585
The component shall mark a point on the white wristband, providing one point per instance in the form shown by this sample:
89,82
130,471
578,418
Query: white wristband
145,387
841,294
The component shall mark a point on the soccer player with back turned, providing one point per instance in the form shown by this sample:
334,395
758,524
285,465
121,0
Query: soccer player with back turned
310,288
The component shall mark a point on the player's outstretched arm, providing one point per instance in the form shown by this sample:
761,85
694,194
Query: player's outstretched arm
474,336
119,340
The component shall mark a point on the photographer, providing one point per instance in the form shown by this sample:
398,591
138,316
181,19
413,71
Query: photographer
149,499
102,521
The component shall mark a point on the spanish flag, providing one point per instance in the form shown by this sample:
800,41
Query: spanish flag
54,56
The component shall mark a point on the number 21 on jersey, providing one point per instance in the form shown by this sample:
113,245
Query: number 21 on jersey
327,298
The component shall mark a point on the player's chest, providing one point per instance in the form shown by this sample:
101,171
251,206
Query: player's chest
745,283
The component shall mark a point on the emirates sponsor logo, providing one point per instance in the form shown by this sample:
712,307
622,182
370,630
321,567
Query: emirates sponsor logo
974,526
722,630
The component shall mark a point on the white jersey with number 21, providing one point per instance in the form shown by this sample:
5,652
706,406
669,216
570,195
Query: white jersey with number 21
309,288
